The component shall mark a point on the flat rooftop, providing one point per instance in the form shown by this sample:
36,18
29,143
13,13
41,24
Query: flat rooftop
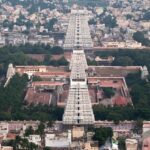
112,71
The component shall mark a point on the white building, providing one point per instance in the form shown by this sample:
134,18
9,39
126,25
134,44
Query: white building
10,74
131,144
52,140
144,73
36,139
4,128
2,41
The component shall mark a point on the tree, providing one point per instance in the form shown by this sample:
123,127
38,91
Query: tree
109,92
139,37
61,62
138,126
56,50
129,16
146,15
109,21
40,129
23,143
49,25
102,134
36,78
8,24
92,21
121,143
50,123
47,59
123,61
29,131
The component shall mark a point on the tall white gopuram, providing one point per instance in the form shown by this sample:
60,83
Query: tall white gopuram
78,109
78,32
10,74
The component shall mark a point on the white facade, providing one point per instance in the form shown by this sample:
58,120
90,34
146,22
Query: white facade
36,139
10,71
2,41
78,109
10,74
4,128
144,72
51,140
78,32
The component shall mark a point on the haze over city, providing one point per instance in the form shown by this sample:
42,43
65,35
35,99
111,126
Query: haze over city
74,75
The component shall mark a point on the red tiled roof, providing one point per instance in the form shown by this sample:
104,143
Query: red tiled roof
52,73
11,136
46,83
37,97
120,101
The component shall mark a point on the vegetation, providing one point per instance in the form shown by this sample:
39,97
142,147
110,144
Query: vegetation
140,97
123,61
13,105
37,49
109,21
92,22
93,3
121,143
17,55
139,89
138,127
49,25
29,131
36,78
22,143
61,62
102,134
139,37
31,5
128,57
108,91
146,15
129,16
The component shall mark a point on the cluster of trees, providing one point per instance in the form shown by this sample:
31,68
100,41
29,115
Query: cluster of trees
49,25
117,4
146,15
121,143
21,21
140,97
109,21
20,143
17,55
92,22
102,134
39,130
129,16
139,37
13,106
32,5
37,49
128,57
61,62
108,91
139,89
93,3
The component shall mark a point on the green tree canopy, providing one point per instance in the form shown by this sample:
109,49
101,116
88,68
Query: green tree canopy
102,134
